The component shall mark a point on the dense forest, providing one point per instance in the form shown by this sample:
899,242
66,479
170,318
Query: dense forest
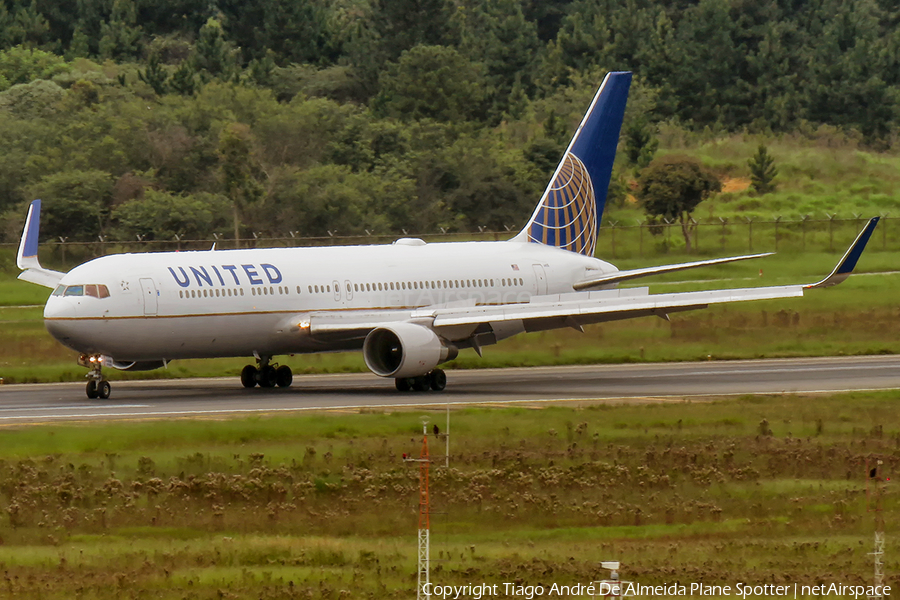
156,118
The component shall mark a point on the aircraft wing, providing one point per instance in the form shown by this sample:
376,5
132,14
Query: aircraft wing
27,258
619,276
573,309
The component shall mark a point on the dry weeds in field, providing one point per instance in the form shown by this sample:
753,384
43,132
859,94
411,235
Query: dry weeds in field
740,505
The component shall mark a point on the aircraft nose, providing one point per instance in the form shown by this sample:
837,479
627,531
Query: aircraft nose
60,308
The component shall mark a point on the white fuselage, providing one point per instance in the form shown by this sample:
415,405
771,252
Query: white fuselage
172,305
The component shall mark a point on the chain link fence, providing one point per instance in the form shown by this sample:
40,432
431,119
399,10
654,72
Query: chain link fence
616,241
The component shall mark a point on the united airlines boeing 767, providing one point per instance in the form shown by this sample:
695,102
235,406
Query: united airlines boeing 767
409,306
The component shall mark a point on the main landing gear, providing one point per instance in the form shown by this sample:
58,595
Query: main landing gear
436,380
97,387
266,375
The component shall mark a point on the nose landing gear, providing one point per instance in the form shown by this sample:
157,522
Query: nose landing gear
266,375
97,387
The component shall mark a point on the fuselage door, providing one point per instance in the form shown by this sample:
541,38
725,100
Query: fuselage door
540,279
349,288
337,291
150,296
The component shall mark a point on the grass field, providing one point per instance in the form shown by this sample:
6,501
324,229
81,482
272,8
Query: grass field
754,490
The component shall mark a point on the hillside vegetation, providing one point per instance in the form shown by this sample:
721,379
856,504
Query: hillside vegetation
145,120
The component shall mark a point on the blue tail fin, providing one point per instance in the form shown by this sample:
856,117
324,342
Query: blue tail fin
568,215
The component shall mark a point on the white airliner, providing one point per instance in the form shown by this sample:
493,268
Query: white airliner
409,306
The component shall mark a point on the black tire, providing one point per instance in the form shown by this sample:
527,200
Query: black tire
421,383
402,384
104,389
91,389
438,380
283,376
248,376
267,377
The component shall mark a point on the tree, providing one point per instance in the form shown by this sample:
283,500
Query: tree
24,65
162,215
76,203
432,82
671,187
121,35
762,171
239,170
155,75
183,80
213,55
640,144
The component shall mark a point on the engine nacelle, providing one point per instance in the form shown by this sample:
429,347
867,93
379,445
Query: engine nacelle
405,350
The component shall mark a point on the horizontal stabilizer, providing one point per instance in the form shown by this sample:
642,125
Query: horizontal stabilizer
619,276
27,259
44,277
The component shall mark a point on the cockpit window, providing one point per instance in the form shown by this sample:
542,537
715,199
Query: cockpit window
96,291
93,290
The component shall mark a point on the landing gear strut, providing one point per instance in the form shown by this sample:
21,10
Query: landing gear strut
436,380
266,375
97,387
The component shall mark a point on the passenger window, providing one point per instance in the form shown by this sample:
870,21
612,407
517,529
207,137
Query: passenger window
272,291
242,291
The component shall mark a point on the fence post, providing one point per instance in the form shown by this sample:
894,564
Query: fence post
668,232
696,225
803,220
777,219
641,235
612,226
723,232
750,233
831,231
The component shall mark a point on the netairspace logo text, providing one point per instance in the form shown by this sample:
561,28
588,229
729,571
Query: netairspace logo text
738,590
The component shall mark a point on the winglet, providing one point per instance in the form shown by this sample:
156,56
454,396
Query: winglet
848,262
28,246
27,257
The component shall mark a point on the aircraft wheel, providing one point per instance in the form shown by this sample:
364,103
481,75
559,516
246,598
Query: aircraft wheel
402,384
438,380
248,376
421,383
283,376
268,377
104,389
91,389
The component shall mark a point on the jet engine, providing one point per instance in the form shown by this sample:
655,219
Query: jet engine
405,350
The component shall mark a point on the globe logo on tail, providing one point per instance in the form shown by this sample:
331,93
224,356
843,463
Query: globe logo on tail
567,218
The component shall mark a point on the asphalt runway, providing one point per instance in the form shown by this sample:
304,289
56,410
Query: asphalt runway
594,384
